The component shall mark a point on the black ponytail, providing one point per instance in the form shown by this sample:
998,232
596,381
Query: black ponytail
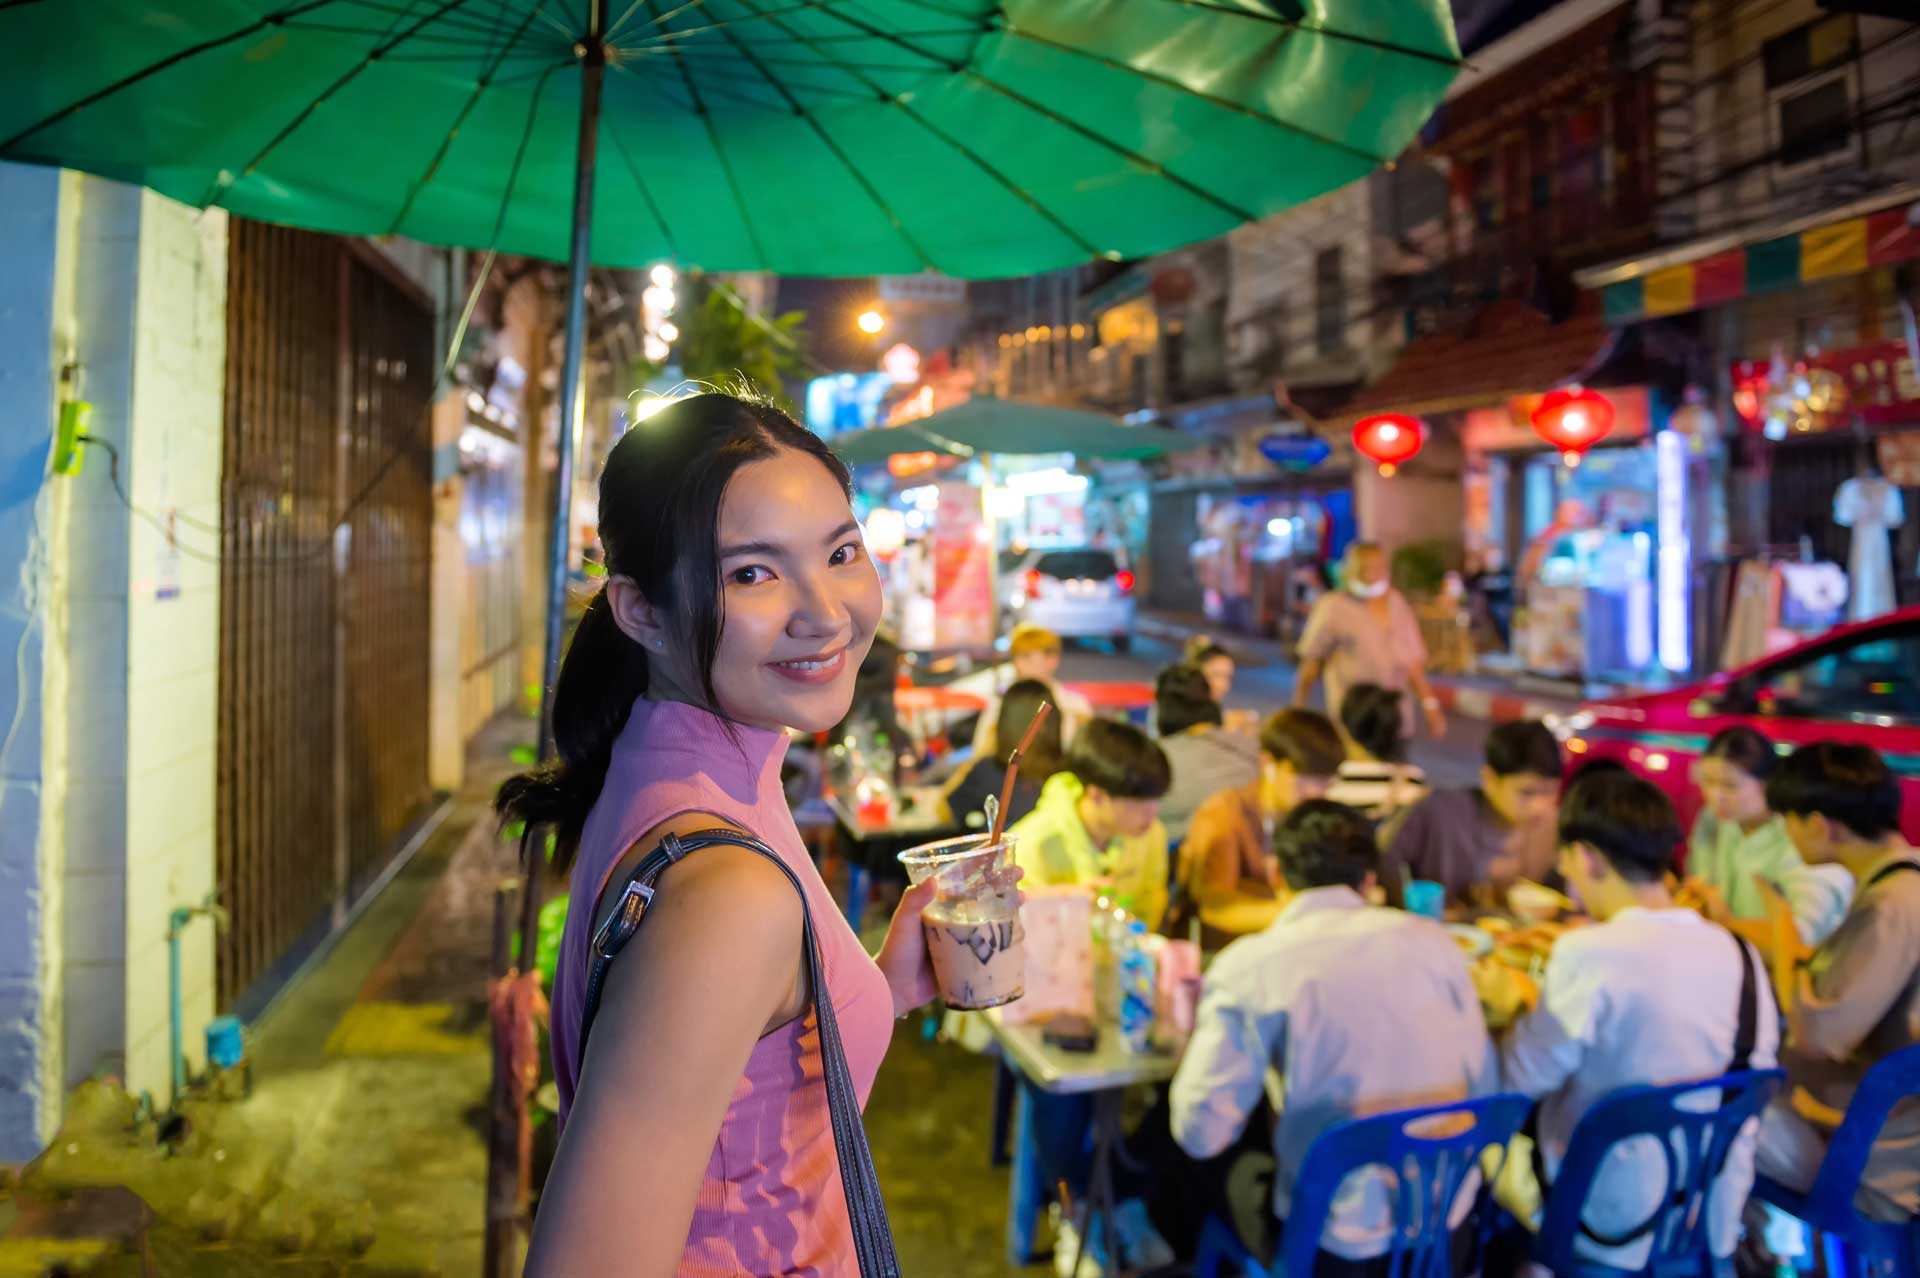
602,675
659,525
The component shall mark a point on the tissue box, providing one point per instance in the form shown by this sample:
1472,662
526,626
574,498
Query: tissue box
1058,921
1176,970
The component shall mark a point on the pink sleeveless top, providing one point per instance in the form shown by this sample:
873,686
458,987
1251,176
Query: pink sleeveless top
771,1202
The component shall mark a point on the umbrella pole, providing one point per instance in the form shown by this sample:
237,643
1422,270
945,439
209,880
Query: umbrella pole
592,69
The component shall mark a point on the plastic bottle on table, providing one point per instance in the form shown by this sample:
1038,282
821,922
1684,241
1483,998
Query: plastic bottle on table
1137,989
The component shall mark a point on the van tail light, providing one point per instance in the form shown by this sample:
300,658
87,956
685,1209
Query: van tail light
1125,579
1033,581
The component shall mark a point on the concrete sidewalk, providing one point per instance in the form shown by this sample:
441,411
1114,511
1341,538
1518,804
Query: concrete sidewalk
361,1149
1484,697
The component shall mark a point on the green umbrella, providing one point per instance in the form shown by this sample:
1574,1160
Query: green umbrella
1009,427
816,137
824,137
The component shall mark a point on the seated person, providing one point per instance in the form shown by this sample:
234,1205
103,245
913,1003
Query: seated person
1859,998
1738,840
1360,1010
1096,824
1375,777
1612,1014
1475,842
966,795
1204,756
1097,820
1035,653
1227,855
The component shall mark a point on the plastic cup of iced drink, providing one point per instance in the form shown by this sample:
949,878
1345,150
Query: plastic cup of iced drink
973,923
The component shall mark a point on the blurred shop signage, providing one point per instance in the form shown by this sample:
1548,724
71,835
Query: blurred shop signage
927,286
1294,452
1877,382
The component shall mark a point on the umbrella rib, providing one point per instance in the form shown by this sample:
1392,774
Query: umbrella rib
1274,19
1228,104
665,38
520,155
539,8
446,142
481,28
660,21
713,140
1131,156
839,153
640,183
225,181
173,59
979,161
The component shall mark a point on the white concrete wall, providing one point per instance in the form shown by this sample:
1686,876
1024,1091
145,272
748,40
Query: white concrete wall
29,880
173,619
1734,122
1272,273
133,292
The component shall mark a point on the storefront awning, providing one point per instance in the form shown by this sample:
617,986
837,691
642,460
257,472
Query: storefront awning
1878,231
1510,349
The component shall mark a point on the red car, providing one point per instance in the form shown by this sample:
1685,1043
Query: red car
1858,682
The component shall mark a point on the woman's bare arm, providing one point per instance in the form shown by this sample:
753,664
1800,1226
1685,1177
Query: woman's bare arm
716,962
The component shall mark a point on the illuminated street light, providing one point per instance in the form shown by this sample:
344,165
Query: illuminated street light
872,322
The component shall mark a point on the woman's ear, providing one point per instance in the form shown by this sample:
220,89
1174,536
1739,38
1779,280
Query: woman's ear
639,620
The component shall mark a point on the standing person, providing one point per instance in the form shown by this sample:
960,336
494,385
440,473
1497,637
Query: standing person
1859,999
1650,994
1206,759
966,795
739,603
1472,842
1366,633
1375,778
1737,840
1227,856
1035,653
1361,1010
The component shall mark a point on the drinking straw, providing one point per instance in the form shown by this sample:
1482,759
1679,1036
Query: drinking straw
1013,770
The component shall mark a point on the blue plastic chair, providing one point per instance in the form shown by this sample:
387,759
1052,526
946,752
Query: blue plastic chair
1432,1159
1879,1249
1678,1228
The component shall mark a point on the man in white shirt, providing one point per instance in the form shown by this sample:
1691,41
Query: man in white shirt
1360,1010
1650,994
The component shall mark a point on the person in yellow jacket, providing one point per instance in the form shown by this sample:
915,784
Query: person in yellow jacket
1097,822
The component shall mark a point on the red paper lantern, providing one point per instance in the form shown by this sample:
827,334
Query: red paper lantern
1573,419
1389,439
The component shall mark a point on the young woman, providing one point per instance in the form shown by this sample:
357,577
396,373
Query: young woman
1738,842
739,603
967,795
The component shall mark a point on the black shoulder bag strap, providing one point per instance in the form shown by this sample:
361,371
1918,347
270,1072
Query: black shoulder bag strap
1745,1037
872,1237
1888,871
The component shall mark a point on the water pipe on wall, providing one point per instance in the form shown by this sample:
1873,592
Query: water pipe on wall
177,923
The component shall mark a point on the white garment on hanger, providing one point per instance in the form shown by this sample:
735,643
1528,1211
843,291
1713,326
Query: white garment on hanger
1870,505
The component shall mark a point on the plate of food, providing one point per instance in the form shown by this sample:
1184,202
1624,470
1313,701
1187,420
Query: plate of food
1477,942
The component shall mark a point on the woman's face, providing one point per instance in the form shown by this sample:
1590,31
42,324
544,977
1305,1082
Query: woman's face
800,597
1219,672
1731,792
